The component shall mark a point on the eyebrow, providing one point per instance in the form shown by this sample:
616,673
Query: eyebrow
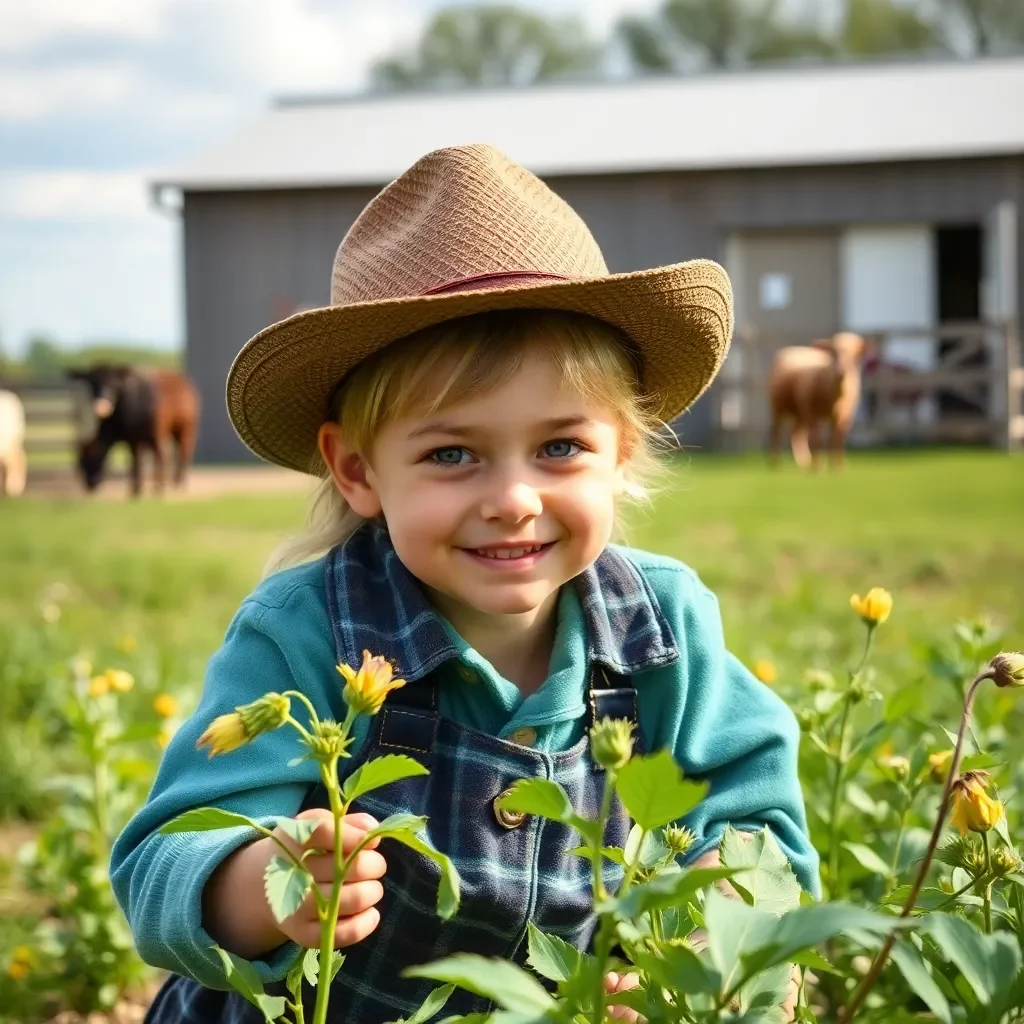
452,430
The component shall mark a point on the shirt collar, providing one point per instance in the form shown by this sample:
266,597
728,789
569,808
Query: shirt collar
376,604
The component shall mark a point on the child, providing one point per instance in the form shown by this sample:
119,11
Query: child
479,397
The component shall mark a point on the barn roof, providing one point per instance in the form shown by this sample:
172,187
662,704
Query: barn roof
786,117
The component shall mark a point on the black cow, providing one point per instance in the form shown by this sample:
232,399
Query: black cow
143,409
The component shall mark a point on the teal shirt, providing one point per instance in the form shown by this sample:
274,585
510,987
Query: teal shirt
697,700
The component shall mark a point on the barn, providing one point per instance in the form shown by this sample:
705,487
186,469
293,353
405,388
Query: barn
882,198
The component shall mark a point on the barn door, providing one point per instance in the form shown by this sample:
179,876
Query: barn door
999,307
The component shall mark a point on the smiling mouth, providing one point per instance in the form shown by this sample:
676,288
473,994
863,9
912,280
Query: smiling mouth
505,554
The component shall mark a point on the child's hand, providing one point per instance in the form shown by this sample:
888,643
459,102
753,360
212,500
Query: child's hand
358,915
247,927
621,983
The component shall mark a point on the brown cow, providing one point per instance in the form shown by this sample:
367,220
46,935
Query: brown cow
810,384
152,409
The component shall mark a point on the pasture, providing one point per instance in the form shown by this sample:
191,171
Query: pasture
150,587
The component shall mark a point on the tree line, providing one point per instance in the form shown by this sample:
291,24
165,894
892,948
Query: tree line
501,44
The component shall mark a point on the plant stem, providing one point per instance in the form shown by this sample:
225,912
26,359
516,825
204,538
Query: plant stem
986,894
893,869
329,917
940,821
605,934
953,896
837,785
313,718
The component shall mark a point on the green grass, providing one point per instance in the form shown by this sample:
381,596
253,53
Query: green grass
782,550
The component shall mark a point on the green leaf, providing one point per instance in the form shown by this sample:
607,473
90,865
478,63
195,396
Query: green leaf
311,966
380,772
915,972
678,969
286,887
928,899
430,1007
501,981
551,957
766,992
242,977
868,859
766,872
547,799
449,887
293,980
654,792
298,829
206,819
672,889
815,961
337,959
395,823
989,963
648,849
613,853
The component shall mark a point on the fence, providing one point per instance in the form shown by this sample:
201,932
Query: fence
57,414
958,383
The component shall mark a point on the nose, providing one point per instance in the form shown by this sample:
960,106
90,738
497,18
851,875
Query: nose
511,500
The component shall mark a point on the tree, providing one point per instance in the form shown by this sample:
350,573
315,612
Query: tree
719,34
877,27
489,44
43,357
979,27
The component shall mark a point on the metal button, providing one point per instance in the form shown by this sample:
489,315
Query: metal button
525,736
507,819
468,674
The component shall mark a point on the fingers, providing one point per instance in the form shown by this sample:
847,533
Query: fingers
355,929
614,983
353,829
368,864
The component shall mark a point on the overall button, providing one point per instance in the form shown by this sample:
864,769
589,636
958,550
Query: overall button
468,674
526,736
507,819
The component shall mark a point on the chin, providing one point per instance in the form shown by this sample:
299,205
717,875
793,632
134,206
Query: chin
505,604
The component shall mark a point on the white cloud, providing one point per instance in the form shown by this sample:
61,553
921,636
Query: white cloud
29,94
25,24
73,195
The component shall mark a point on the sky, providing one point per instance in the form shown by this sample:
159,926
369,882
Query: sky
96,96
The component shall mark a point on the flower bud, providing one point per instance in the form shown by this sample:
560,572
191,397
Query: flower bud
818,679
679,839
1008,668
874,607
611,742
1006,862
368,686
859,691
807,719
973,809
899,766
327,741
938,765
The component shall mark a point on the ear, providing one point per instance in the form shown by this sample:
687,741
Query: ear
348,469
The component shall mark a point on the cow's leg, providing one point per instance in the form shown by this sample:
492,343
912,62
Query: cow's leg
775,440
838,445
815,443
800,443
15,473
160,445
136,468
186,449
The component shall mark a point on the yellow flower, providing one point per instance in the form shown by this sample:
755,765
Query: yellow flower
99,685
766,671
120,680
973,809
165,705
224,734
1008,668
874,607
18,970
938,765
229,732
126,643
366,689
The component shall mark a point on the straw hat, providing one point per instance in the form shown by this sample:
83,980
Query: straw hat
463,231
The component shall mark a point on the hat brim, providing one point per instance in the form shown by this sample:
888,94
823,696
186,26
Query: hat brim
680,318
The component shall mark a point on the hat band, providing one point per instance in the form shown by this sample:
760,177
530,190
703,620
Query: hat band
512,278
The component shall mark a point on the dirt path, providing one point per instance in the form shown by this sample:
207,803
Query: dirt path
203,482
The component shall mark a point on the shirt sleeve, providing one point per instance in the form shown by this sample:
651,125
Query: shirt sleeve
730,730
159,879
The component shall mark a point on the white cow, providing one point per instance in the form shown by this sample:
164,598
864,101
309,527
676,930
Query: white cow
13,465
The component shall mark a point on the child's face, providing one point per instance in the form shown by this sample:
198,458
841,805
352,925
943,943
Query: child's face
498,501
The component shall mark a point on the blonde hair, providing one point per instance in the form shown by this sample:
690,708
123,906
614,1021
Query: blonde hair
455,360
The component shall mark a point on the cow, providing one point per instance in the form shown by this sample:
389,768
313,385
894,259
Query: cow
152,409
811,384
13,464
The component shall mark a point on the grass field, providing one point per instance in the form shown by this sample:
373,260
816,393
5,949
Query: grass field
782,550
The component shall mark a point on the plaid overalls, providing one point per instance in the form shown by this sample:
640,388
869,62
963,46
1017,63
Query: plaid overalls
513,869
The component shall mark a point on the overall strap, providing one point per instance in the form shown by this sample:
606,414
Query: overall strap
611,696
407,723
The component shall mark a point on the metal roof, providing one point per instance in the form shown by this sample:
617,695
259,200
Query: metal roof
787,117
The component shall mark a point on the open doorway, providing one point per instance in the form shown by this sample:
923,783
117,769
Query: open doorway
958,251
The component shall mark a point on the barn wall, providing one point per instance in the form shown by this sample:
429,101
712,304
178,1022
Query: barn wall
253,257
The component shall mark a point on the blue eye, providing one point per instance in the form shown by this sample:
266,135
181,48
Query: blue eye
560,449
450,456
